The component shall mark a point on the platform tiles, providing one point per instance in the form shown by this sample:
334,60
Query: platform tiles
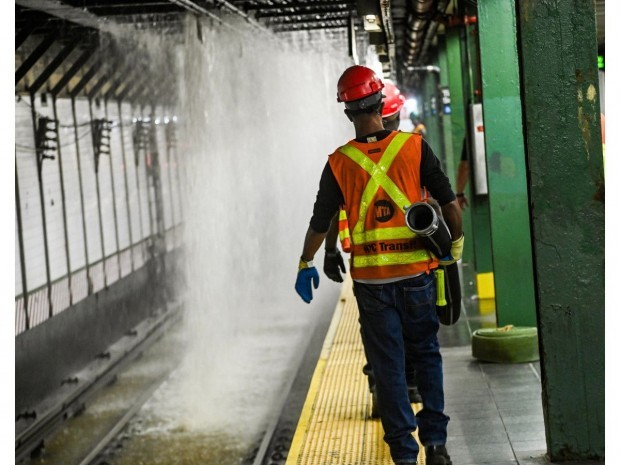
335,427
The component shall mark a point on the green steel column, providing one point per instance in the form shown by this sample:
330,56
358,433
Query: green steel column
506,170
431,117
455,79
558,54
451,157
479,204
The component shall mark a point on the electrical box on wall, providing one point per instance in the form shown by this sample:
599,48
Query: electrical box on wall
478,155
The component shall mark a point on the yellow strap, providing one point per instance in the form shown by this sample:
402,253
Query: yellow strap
400,258
441,288
379,178
378,175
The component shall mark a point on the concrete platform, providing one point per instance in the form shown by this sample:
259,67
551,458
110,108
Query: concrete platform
495,409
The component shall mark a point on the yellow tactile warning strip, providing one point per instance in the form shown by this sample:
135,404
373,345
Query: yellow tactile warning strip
335,427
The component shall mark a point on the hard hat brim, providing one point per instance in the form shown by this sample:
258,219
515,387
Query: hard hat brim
366,102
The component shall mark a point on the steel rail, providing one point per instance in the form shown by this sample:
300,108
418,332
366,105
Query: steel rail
94,456
33,436
120,425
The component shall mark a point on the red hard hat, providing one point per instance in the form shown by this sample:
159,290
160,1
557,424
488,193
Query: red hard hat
393,101
358,82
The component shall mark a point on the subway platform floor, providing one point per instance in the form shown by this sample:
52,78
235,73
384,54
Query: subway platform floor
495,409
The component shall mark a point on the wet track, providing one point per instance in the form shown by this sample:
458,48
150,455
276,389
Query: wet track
156,412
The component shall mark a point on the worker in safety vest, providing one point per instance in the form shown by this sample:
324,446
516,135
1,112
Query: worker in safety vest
393,102
333,262
374,177
418,125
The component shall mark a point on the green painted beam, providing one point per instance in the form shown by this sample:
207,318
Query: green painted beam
451,158
506,170
479,204
431,117
457,122
558,56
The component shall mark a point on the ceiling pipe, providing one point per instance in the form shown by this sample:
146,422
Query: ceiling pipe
69,13
415,32
422,28
421,11
432,29
388,27
422,7
191,6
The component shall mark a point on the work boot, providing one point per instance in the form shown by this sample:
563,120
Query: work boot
406,463
414,395
437,455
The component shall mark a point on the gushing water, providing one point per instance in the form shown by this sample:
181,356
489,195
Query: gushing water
258,119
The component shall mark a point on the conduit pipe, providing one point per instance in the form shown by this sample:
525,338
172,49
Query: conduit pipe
421,27
432,29
67,12
197,9
418,19
388,28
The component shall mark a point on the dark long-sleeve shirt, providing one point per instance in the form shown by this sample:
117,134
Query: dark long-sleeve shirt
329,197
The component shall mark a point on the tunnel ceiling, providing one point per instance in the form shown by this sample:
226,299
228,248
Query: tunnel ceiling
60,43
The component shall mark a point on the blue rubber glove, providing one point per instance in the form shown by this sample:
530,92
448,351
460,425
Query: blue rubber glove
304,276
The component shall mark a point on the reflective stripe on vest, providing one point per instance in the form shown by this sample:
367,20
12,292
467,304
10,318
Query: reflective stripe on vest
343,231
383,234
379,178
401,258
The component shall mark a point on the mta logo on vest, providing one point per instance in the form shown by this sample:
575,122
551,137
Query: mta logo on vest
384,211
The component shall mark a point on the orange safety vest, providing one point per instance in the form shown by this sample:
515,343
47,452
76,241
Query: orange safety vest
378,180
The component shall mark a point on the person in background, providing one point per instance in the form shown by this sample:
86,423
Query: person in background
373,178
462,176
418,125
393,102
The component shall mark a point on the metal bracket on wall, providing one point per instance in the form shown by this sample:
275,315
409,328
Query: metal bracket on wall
46,140
171,134
140,137
101,139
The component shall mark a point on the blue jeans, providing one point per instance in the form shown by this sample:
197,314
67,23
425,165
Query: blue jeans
396,318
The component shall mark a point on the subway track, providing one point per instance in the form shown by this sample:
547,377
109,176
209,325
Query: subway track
137,443
178,443
105,422
75,424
